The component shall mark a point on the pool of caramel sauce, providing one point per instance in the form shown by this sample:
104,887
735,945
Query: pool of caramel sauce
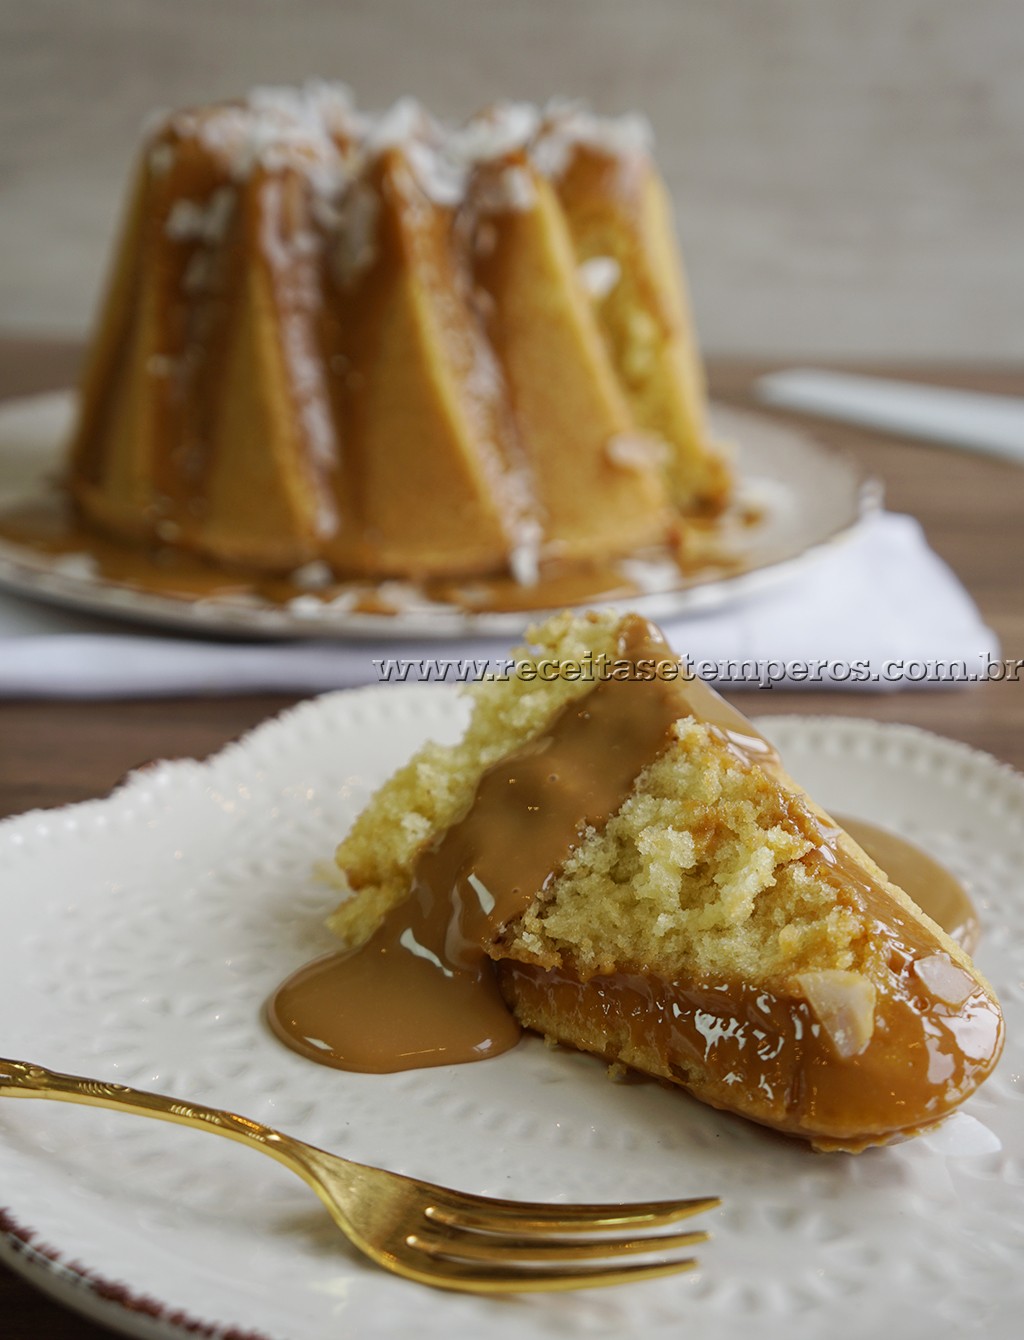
49,525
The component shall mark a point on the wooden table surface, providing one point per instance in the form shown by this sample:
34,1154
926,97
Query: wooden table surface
53,753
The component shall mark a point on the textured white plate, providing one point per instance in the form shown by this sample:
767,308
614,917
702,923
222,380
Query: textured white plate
808,497
143,932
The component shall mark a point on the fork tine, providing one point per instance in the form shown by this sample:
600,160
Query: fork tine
467,1211
472,1278
474,1246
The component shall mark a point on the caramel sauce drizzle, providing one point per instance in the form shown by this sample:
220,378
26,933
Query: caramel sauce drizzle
937,892
766,1054
422,990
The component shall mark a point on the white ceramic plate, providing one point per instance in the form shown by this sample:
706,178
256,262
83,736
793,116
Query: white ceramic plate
808,496
150,926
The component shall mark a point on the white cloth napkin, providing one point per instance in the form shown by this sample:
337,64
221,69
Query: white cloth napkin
876,612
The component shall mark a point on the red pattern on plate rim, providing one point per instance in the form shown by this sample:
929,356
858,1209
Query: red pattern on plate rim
42,1256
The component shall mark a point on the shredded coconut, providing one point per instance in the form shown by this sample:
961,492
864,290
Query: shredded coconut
505,128
406,120
650,576
306,607
404,597
316,130
79,567
599,275
524,561
510,189
313,576
567,124
441,177
202,221
637,451
356,247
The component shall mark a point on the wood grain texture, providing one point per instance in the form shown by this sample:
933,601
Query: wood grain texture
54,753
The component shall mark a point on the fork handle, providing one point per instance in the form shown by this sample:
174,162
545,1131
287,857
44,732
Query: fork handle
22,1079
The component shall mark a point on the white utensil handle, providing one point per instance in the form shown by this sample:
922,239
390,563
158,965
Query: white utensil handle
967,419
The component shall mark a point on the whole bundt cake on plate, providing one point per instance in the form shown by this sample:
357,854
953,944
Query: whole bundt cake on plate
397,348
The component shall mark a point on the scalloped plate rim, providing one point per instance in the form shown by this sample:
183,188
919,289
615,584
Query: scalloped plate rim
68,1281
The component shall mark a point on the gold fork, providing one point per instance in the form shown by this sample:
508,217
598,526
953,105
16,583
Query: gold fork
427,1233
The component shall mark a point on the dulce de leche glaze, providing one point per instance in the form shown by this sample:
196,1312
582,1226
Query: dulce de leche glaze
423,990
936,890
935,1030
47,527
766,1055
930,1029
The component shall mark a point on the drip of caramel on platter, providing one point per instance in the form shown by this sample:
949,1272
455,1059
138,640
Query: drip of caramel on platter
50,528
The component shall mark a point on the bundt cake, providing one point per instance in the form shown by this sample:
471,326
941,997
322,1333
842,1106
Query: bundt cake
404,350
614,858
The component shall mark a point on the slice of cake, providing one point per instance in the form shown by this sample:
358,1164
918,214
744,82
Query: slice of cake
393,347
616,857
